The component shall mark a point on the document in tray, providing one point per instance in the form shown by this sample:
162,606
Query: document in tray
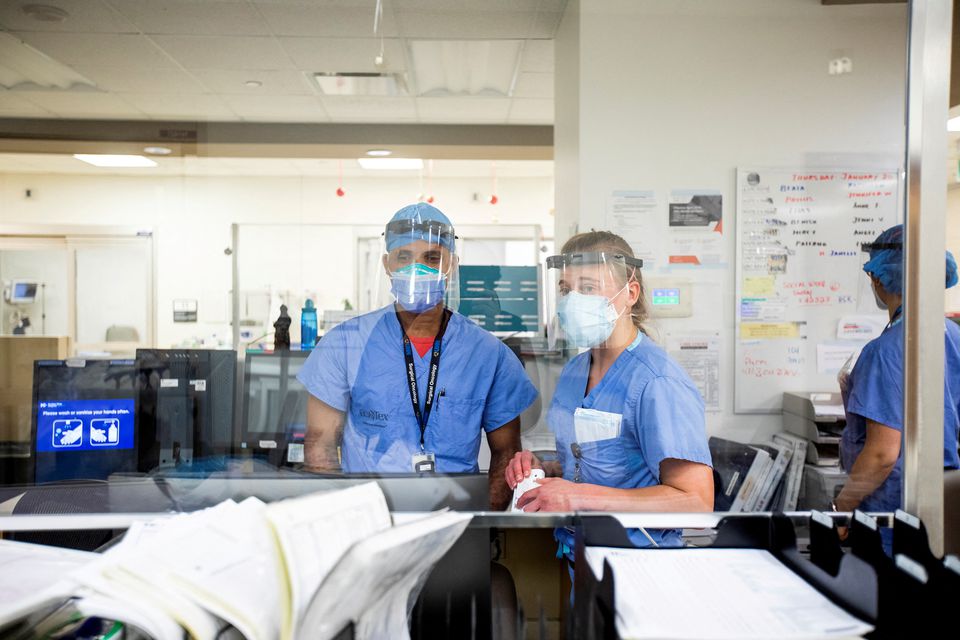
31,577
378,579
716,594
313,531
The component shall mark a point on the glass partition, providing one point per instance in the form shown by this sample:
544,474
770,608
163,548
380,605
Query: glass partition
716,224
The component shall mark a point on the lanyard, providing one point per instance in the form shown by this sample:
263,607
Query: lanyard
424,416
897,317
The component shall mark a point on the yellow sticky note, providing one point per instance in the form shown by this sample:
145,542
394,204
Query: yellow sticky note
758,286
768,330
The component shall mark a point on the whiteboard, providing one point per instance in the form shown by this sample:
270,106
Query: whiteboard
799,275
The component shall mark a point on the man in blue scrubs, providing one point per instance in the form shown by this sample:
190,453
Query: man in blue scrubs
870,449
411,386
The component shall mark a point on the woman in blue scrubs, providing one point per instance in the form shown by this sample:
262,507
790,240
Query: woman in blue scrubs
412,387
628,420
870,449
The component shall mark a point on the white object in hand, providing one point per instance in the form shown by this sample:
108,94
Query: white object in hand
525,485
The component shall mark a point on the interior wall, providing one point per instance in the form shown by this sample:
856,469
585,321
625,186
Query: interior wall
677,95
192,217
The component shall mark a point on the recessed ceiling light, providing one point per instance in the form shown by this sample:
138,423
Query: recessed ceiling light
391,164
253,84
109,160
44,13
953,124
158,151
379,153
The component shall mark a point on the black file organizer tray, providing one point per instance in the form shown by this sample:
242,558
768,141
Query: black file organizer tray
853,588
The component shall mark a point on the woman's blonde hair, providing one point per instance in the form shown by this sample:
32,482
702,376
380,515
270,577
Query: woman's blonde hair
612,243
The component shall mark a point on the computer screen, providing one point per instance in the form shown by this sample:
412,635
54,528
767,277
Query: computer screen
84,419
501,299
274,405
186,405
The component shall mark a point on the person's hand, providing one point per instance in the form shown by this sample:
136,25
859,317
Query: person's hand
519,467
554,494
842,533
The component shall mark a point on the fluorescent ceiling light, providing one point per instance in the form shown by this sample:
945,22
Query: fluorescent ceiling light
465,67
23,67
107,160
953,124
391,164
158,151
379,153
360,84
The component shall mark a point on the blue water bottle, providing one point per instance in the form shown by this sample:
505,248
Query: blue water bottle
308,326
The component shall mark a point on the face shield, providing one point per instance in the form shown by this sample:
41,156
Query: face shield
596,293
420,264
884,261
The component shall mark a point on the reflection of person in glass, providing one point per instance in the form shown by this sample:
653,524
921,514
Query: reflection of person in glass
629,421
870,449
412,386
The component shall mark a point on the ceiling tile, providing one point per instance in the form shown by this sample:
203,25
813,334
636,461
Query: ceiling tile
462,6
181,17
546,24
224,52
463,110
231,81
534,85
367,109
280,109
142,80
531,111
99,50
181,107
75,104
466,24
85,16
313,20
343,54
537,56
14,106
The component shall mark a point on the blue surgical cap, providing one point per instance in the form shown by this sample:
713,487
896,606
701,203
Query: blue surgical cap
887,264
424,214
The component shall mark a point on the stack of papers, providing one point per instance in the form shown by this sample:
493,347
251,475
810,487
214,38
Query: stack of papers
299,568
716,594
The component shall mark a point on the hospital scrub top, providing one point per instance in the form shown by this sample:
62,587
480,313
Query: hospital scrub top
662,417
358,368
875,392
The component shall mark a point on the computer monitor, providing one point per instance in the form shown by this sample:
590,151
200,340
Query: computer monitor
274,406
84,419
22,292
501,299
186,405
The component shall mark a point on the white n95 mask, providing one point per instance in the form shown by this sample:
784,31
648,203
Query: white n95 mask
588,320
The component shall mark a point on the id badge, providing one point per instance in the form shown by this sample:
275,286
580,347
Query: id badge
424,462
591,425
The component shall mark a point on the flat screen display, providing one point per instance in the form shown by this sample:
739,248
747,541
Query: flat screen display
85,425
666,297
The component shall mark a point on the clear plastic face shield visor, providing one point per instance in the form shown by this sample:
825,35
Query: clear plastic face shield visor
867,297
420,265
595,292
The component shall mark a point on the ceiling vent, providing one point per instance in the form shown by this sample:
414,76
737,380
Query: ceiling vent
360,84
25,68
465,67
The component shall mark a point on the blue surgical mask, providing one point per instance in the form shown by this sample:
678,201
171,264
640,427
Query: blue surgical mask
587,320
418,287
